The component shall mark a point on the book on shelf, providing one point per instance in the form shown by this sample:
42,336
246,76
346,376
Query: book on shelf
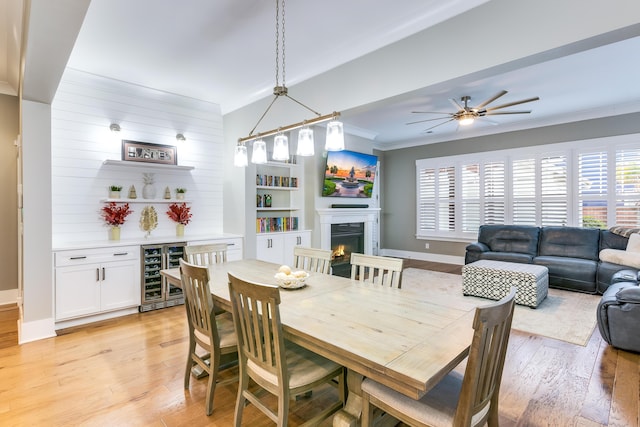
275,224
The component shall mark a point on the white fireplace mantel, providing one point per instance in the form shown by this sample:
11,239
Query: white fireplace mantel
346,215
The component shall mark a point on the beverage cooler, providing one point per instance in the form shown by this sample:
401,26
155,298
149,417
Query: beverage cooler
156,291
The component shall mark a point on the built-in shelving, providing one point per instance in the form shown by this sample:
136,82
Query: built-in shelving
146,165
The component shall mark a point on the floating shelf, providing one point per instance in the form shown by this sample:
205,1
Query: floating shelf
276,188
146,165
148,201
281,208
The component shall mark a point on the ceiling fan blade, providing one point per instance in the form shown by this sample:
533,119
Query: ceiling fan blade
456,104
431,112
490,100
439,124
506,112
426,120
510,104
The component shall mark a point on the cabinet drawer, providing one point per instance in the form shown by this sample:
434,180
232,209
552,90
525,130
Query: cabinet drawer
97,255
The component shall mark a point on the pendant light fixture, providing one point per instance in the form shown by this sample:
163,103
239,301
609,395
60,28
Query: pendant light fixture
259,153
240,156
335,132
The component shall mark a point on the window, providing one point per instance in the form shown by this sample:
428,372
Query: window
575,184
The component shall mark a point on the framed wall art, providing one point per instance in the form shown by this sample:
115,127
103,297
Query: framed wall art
134,151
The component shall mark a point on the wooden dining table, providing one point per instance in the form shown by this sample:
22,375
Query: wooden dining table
406,339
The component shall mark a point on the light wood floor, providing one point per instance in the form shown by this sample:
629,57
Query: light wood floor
129,372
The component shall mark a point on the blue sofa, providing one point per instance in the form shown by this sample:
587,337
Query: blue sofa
570,253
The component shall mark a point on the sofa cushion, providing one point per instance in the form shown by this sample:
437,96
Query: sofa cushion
508,257
633,245
609,240
610,274
575,274
572,242
510,238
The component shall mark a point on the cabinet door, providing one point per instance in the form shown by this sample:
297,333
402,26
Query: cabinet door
270,248
77,290
120,285
291,240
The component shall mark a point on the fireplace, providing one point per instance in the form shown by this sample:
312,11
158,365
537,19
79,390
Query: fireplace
345,239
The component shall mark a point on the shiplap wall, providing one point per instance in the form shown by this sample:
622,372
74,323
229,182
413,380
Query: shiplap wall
84,107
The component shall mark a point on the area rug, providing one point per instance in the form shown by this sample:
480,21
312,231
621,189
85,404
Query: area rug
563,315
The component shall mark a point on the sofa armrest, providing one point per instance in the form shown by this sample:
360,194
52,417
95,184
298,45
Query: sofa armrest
629,295
477,247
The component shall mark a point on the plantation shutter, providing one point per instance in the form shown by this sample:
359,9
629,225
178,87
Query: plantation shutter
427,200
494,193
524,192
553,191
592,189
627,187
470,181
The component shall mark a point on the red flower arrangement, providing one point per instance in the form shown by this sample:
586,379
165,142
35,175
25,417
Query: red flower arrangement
180,213
115,215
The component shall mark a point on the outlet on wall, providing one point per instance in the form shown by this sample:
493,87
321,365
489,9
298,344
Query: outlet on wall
426,246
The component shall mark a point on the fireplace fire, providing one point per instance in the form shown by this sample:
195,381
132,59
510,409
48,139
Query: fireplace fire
345,239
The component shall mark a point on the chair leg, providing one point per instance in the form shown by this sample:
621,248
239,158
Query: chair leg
243,383
367,411
214,365
283,409
190,363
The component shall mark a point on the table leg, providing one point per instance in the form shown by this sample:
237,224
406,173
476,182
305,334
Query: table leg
349,416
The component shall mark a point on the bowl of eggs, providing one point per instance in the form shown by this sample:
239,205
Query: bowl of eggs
288,279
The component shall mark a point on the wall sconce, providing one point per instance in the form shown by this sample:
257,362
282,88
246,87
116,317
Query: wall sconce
180,137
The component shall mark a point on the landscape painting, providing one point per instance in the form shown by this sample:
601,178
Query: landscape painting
349,174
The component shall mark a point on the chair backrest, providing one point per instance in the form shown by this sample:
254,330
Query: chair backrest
483,374
381,270
199,303
312,259
206,254
256,316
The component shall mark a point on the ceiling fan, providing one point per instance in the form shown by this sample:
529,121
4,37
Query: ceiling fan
467,115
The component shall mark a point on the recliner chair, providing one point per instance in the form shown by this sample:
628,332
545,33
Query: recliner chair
619,311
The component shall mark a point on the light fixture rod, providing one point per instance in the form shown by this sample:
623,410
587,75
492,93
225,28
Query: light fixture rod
287,128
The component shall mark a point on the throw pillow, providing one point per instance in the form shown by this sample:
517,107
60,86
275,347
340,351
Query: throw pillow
617,256
633,245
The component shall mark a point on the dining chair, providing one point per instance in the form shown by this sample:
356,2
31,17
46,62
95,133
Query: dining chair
210,336
280,367
206,254
457,400
312,259
381,270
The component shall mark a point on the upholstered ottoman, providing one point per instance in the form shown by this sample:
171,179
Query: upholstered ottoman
493,280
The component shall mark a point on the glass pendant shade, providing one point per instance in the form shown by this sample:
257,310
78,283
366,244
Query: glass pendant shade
259,154
240,156
335,136
281,147
305,142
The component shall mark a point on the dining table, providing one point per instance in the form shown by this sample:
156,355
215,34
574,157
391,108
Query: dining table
407,339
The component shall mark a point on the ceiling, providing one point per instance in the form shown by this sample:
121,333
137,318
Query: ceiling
223,51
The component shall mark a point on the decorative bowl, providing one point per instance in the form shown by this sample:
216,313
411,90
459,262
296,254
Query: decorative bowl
295,280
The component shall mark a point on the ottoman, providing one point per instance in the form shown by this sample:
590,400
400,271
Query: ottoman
493,280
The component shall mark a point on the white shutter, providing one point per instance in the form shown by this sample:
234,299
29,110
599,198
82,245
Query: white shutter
426,200
470,181
524,192
592,189
553,191
446,184
627,187
494,193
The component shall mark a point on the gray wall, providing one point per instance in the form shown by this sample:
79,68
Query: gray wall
398,193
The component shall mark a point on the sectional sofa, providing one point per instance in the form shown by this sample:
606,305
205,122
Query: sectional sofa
571,254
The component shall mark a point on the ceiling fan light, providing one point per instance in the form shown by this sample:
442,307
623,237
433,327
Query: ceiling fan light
281,147
259,153
335,136
240,156
466,121
305,142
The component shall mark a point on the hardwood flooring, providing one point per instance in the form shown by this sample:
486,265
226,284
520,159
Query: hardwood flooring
129,372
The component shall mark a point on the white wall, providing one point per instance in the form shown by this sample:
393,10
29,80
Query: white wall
84,107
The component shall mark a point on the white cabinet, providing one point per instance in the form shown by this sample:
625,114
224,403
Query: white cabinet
93,281
278,247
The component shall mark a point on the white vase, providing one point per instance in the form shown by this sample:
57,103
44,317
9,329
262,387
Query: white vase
115,233
149,191
180,196
179,230
114,194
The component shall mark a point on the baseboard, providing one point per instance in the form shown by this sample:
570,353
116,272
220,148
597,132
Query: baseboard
10,296
35,330
422,256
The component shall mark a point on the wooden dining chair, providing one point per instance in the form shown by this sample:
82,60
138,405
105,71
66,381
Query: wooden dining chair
280,367
210,336
469,400
381,270
312,259
206,254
